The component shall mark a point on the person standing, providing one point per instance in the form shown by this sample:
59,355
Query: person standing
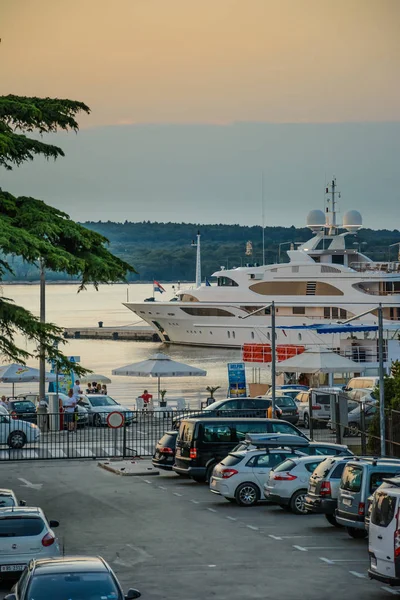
43,419
104,389
4,402
77,388
69,410
146,399
89,388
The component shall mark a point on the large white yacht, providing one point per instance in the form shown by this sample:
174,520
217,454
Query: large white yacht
325,281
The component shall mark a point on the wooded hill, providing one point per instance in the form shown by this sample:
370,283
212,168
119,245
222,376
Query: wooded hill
163,251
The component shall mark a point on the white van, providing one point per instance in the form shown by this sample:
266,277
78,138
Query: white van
364,383
384,533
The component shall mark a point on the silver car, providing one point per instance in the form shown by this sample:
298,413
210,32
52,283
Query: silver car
16,433
100,406
25,534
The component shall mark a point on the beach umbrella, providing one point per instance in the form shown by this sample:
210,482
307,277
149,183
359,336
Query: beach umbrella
159,365
15,373
93,377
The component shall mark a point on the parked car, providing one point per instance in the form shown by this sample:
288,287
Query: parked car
83,577
365,383
100,406
323,487
241,475
354,419
202,443
8,498
164,452
25,534
287,484
16,433
314,448
22,409
287,391
384,533
361,477
321,408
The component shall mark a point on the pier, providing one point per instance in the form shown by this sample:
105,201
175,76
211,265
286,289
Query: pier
142,333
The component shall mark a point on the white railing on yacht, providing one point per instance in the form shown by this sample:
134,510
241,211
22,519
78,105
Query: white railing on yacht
383,267
360,354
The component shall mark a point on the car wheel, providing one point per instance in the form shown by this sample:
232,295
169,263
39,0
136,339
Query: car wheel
97,420
353,429
16,440
297,503
357,534
247,494
332,520
306,421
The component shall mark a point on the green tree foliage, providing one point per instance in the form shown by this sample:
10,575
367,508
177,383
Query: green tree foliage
392,403
32,230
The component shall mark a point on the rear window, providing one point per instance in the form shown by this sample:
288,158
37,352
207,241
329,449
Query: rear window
232,459
322,399
6,500
286,402
377,480
20,526
338,471
352,478
186,431
168,440
324,467
383,509
287,465
23,405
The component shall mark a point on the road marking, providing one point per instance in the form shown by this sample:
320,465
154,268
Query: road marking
211,509
252,527
231,518
332,561
326,560
212,566
360,575
147,481
307,548
162,488
390,590
176,494
28,484
195,501
274,537
300,548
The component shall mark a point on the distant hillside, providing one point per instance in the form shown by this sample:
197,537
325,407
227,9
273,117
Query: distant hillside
163,251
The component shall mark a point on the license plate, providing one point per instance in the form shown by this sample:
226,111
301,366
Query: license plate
373,561
286,414
347,502
8,568
312,488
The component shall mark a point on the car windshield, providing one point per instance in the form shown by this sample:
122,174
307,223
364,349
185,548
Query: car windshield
216,405
285,401
103,401
74,586
23,405
6,500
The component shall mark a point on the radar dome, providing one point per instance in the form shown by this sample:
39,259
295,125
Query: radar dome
352,220
316,220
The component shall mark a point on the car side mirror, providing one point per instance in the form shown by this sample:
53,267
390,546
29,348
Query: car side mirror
132,593
10,597
347,389
22,502
54,524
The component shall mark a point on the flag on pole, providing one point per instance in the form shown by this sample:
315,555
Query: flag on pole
157,287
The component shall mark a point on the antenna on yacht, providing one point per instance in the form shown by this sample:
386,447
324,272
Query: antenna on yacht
198,259
331,209
263,218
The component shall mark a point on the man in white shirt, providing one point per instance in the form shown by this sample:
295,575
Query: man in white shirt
77,388
69,410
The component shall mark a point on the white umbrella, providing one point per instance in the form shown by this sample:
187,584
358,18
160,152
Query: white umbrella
321,360
15,373
94,377
159,365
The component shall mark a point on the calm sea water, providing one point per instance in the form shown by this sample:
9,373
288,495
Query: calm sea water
67,308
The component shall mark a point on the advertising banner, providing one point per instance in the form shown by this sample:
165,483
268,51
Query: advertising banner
237,380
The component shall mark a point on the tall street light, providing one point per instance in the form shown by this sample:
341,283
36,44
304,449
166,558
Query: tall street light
42,355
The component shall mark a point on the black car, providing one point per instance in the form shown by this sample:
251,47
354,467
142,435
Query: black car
24,410
202,443
164,452
83,577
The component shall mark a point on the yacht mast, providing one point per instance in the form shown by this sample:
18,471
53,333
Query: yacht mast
198,259
331,210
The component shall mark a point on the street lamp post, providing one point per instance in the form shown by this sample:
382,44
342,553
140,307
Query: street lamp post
381,382
273,358
42,356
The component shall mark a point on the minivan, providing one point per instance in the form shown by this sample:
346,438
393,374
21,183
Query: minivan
361,477
384,533
365,383
204,442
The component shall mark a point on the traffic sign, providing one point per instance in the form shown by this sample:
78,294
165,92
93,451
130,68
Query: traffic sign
115,420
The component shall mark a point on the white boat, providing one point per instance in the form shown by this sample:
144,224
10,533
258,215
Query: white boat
326,280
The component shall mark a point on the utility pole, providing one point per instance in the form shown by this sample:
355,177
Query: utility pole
198,259
42,356
381,382
273,357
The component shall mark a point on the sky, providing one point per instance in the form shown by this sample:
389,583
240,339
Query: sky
192,100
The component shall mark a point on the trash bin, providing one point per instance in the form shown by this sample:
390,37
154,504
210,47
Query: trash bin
54,413
100,323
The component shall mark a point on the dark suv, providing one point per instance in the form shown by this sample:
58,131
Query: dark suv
202,443
25,410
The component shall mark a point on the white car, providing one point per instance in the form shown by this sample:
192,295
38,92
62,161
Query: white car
16,433
241,475
287,484
25,534
8,498
99,406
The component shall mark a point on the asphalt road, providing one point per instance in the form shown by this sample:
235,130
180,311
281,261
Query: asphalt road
173,539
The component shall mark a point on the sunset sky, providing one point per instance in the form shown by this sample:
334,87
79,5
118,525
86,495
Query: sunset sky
203,62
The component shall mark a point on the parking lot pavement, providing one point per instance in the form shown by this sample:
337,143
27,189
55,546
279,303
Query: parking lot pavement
173,539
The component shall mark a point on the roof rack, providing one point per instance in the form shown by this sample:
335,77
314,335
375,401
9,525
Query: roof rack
276,440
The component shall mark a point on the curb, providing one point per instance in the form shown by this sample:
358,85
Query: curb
128,471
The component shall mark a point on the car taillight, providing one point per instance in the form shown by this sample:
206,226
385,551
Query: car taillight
361,508
166,450
193,453
285,477
397,543
48,539
325,489
226,473
316,407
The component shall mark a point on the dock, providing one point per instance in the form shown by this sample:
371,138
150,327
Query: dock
142,333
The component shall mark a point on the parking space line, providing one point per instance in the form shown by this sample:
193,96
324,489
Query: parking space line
147,481
162,488
300,548
252,527
231,518
195,501
332,561
176,494
274,537
307,548
390,590
211,509
360,575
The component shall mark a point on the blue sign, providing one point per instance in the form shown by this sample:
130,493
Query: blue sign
237,380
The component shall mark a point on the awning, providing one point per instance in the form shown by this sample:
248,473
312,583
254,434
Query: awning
329,328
